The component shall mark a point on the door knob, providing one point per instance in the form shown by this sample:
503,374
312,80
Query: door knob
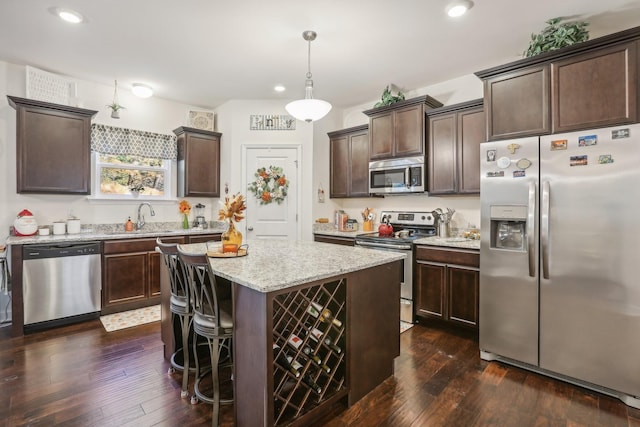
250,228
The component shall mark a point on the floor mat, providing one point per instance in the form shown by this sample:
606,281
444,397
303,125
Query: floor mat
404,326
128,319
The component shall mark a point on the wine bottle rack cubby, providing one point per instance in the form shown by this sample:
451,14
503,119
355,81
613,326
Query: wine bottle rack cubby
309,348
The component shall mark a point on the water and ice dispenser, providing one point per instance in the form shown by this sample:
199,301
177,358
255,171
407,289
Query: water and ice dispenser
509,227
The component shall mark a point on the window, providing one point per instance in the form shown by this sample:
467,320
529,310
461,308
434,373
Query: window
116,176
125,159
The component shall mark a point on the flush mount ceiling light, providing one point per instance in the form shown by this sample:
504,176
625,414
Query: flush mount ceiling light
69,15
308,109
141,90
459,8
279,88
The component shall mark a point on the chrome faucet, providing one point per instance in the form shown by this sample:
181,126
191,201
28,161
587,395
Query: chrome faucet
140,222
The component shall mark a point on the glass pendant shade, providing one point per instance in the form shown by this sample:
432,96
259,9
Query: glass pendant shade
308,109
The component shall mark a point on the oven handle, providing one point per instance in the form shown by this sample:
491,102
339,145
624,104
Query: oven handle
383,245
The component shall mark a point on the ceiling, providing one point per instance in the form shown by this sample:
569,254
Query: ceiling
205,52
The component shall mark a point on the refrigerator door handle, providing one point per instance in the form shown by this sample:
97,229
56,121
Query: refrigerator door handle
531,215
544,229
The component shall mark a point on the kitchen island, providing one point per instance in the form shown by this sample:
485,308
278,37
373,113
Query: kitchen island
354,330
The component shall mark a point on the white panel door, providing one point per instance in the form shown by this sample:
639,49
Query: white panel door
272,220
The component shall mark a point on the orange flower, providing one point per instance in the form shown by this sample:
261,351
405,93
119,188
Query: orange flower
282,180
184,207
266,196
264,174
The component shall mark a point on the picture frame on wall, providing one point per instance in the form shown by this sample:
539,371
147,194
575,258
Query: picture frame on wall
204,120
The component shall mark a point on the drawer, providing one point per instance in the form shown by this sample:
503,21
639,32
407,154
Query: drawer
469,258
137,245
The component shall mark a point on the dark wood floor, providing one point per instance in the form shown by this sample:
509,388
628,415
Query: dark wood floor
83,376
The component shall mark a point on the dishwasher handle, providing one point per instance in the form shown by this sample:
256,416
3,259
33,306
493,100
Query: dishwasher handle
30,252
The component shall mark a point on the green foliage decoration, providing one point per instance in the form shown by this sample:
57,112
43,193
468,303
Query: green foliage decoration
388,98
556,36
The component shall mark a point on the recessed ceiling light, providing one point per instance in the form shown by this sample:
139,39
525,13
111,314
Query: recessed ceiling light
459,8
69,15
142,90
279,88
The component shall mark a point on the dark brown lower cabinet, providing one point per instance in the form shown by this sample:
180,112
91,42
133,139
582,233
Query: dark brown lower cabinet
131,273
447,285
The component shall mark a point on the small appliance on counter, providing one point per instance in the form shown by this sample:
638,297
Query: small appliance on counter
200,222
25,224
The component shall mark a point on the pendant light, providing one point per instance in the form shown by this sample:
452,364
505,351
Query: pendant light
308,109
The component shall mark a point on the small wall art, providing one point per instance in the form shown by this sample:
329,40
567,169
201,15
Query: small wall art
272,122
204,120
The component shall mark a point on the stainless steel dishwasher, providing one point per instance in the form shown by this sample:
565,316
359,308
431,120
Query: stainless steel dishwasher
61,283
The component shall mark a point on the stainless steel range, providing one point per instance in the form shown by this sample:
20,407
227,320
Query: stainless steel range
407,227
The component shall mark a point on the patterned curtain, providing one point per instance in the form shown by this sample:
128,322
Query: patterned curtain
113,140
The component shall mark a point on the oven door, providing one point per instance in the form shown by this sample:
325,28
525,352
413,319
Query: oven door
406,286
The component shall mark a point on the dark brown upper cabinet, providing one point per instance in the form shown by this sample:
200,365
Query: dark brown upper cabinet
398,130
349,162
53,147
588,85
455,135
198,162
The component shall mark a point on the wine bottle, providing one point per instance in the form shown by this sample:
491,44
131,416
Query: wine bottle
311,383
284,361
325,315
309,353
332,345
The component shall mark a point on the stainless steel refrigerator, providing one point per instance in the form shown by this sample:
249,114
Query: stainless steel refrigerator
560,257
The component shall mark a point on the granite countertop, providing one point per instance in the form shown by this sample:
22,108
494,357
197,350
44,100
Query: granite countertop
273,265
452,242
328,229
116,231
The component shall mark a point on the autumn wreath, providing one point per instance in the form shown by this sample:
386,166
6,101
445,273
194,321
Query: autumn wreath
270,185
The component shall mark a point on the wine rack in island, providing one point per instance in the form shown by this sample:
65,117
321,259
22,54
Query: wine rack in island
309,348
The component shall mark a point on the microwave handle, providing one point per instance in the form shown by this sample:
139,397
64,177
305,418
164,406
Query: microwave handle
407,177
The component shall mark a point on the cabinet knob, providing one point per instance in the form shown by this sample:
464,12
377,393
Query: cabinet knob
250,228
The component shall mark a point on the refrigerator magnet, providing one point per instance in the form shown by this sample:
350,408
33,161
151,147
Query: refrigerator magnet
523,163
605,159
518,174
578,161
495,174
587,140
503,162
491,155
559,144
513,147
620,133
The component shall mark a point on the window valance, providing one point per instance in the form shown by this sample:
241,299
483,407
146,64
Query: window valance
114,140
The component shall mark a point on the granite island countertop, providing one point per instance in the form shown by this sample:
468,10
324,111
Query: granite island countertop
93,232
274,265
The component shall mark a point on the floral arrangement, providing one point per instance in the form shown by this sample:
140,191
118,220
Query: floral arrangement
232,208
271,185
185,209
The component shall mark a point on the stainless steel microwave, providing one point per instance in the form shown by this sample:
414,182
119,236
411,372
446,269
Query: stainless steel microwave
397,176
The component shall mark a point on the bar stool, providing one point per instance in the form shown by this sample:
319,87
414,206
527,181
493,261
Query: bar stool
212,319
180,306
